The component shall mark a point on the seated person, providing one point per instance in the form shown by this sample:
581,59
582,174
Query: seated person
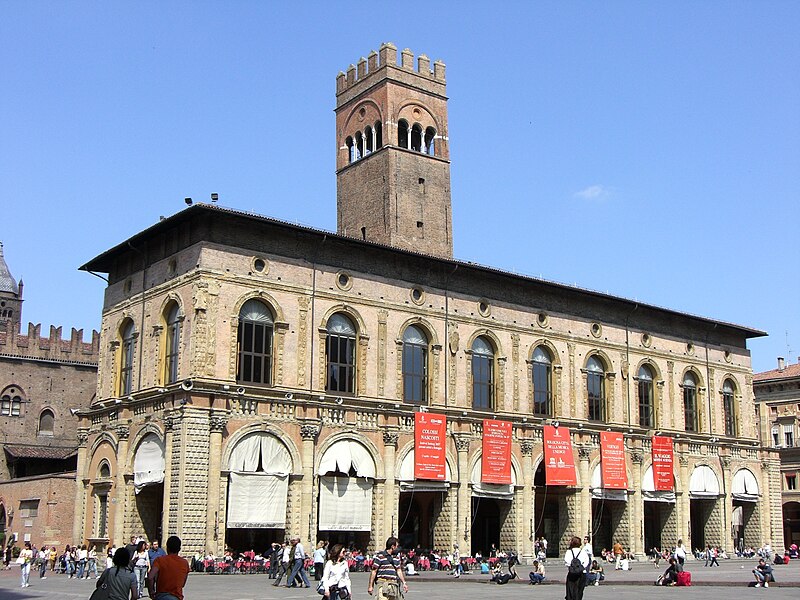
763,573
778,559
595,574
538,574
670,576
484,568
501,578
410,570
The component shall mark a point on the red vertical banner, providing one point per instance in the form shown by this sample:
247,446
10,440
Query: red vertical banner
612,461
496,452
559,460
430,435
663,457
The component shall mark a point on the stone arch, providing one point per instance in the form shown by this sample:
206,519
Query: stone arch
516,468
347,310
676,472
98,470
411,121
596,463
423,323
168,299
714,469
608,363
555,355
140,435
264,297
647,361
243,432
488,333
355,437
697,375
349,127
103,437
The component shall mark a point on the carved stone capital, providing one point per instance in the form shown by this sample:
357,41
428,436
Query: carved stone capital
123,432
526,447
390,437
637,457
683,460
170,423
217,422
725,461
462,442
584,453
83,436
764,466
309,431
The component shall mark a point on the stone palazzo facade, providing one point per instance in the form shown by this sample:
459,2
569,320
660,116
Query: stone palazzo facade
259,380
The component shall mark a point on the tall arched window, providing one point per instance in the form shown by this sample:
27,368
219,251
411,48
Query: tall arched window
173,340
596,389
368,149
340,351
482,374
126,362
647,413
11,403
378,135
690,401
403,134
416,137
728,407
359,145
255,343
47,422
351,153
415,365
542,381
430,145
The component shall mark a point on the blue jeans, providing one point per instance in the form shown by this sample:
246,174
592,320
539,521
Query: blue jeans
298,568
81,567
536,578
141,575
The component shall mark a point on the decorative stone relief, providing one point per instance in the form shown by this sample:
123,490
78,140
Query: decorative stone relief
462,442
217,422
308,431
390,438
683,460
637,457
302,340
526,447
515,369
83,436
383,314
584,453
122,431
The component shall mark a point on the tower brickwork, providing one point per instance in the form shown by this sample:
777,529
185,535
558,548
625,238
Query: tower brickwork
392,159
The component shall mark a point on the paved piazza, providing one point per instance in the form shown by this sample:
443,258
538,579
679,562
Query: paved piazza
721,582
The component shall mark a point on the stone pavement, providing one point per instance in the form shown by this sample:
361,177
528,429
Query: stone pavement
619,585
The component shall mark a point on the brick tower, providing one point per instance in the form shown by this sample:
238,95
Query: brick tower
10,298
392,157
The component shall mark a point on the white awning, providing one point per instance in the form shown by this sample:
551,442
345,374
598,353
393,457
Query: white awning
407,481
261,452
491,490
600,493
345,504
703,483
257,501
649,493
148,463
345,454
745,486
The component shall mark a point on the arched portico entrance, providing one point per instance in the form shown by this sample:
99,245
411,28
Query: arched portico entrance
148,485
420,508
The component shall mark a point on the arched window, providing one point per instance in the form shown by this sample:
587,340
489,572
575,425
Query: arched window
47,422
368,137
359,144
646,404
173,340
430,137
728,407
104,472
255,343
415,365
378,135
126,362
402,134
351,153
482,374
596,389
690,401
416,137
11,403
340,352
542,381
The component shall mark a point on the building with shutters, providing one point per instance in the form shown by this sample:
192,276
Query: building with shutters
260,380
41,379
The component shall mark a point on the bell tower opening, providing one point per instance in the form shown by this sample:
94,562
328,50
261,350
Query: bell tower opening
393,160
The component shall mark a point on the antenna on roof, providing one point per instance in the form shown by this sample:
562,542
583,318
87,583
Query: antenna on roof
214,197
188,201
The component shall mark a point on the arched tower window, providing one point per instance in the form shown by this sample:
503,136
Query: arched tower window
172,317
482,374
378,135
596,389
340,352
11,402
690,402
728,407
646,404
369,140
359,145
351,150
416,137
47,422
255,343
430,138
542,381
126,363
415,365
403,139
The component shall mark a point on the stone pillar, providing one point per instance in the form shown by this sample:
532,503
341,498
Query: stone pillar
390,506
636,504
120,493
727,507
81,518
308,432
217,425
684,514
526,449
586,495
464,508
167,525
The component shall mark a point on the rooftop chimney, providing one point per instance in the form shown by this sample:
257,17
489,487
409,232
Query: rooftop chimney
781,364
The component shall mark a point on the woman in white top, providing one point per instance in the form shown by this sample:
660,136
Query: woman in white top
141,565
336,576
576,581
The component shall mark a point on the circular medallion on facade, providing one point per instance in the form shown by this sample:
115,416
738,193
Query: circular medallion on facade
542,319
172,267
416,112
484,308
260,265
646,340
417,296
343,280
690,348
596,329
362,113
728,356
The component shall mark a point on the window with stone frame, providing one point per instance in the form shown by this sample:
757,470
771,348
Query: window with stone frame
102,515
596,389
47,422
11,403
255,337
415,365
28,509
542,371
646,399
172,318
482,374
729,408
340,355
127,348
690,416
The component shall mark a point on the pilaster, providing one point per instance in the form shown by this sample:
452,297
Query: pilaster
308,432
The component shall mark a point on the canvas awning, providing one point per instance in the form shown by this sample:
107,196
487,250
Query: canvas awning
703,483
148,463
407,481
345,504
745,486
600,493
650,494
343,455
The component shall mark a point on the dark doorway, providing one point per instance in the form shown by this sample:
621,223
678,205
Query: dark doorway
2,526
355,540
547,511
699,514
258,540
417,513
656,515
485,525
149,505
791,523
602,527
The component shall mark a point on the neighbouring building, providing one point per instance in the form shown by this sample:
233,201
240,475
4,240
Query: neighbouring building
42,381
777,393
259,379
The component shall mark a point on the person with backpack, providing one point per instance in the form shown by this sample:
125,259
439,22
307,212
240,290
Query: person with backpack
576,561
119,580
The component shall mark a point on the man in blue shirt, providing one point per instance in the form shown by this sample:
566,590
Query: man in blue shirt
155,551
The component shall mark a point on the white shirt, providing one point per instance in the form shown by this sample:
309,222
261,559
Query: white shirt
337,574
319,555
587,547
579,554
299,551
286,554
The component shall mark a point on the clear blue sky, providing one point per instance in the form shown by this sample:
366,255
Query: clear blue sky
649,150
